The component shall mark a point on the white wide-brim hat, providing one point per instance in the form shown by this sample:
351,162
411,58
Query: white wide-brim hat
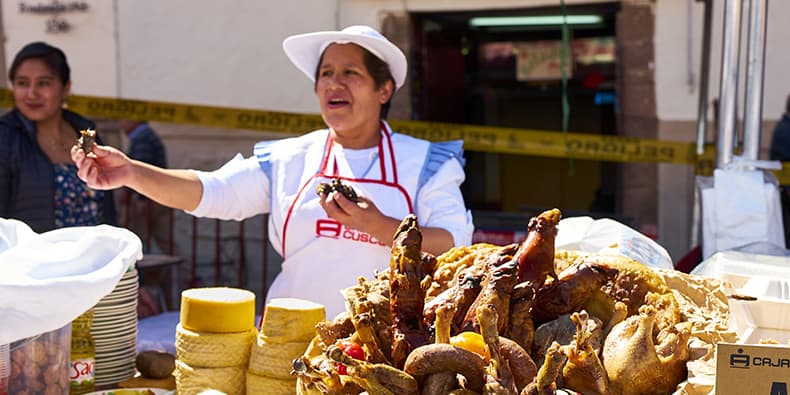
305,50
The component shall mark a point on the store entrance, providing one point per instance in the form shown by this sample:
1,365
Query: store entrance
477,71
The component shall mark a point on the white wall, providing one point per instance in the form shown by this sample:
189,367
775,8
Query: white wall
89,45
674,98
205,51
217,52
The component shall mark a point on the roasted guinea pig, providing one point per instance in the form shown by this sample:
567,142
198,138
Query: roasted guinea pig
336,185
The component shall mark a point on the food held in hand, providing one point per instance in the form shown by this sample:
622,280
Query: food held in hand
336,185
86,140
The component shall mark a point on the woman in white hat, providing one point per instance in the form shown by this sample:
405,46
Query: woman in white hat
326,240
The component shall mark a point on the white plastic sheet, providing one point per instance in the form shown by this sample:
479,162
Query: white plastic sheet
48,279
596,235
740,206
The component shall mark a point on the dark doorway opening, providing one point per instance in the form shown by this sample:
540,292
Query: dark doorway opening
471,74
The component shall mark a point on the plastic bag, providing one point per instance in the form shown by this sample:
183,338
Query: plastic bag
587,234
740,206
48,279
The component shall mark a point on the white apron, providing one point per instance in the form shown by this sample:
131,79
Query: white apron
320,255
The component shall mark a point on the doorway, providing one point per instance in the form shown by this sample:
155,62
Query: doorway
506,75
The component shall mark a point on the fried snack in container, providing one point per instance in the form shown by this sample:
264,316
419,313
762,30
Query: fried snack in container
40,364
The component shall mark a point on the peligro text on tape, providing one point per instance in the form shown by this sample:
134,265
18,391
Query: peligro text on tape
553,144
476,138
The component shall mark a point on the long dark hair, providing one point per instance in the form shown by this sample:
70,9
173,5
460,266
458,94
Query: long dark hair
379,70
52,56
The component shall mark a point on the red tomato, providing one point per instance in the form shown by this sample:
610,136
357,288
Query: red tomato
351,349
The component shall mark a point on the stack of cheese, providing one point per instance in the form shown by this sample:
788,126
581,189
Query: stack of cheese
287,327
213,340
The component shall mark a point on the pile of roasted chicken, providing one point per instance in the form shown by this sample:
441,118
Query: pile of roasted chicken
515,319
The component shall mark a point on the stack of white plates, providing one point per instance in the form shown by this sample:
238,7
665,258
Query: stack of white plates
115,331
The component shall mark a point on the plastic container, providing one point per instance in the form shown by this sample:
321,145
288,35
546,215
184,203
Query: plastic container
761,320
739,267
41,363
5,368
761,293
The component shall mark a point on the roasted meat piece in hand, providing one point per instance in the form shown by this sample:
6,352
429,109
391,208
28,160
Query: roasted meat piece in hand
86,140
336,185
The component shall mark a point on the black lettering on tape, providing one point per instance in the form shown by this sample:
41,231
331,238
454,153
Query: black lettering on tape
667,152
649,151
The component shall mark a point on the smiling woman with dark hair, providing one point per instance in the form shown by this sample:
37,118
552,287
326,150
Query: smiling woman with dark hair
38,180
330,238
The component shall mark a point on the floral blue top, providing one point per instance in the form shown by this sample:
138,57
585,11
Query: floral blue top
75,203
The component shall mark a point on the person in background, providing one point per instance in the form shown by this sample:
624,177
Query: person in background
38,179
145,218
780,150
326,240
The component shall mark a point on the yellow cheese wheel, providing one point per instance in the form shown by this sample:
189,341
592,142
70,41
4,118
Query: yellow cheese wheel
212,350
193,381
275,359
270,386
289,320
217,310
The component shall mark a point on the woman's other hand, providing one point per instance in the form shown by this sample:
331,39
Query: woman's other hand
352,214
104,168
364,216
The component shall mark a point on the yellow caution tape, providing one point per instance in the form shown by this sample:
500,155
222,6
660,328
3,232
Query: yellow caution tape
552,144
476,138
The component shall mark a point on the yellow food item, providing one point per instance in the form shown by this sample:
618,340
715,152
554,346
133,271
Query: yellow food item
271,386
275,359
192,380
211,350
289,320
471,341
217,310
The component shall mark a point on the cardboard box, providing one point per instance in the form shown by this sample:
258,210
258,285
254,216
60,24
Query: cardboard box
752,369
749,367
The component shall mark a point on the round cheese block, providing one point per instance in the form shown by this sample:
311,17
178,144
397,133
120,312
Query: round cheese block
289,320
217,310
210,350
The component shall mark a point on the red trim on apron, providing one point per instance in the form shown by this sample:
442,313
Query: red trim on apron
385,132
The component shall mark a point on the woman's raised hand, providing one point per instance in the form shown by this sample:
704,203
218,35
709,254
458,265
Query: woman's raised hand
104,168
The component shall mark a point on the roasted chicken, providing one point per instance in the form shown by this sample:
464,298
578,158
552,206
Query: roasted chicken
638,363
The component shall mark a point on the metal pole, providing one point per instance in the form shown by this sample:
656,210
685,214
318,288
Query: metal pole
755,66
728,86
702,115
702,105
